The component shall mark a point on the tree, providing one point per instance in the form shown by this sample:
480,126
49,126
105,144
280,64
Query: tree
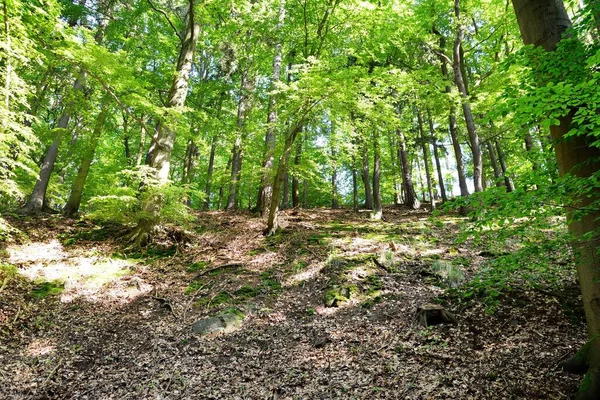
543,23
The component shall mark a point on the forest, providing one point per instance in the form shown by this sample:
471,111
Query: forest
300,199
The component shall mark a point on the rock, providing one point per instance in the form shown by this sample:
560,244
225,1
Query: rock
227,321
208,326
434,314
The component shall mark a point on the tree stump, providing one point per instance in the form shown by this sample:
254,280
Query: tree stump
434,314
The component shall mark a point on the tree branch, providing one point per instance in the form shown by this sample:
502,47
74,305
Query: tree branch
164,13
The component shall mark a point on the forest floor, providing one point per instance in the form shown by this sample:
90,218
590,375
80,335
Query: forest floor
329,309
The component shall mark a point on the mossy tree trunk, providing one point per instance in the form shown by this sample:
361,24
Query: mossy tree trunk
165,134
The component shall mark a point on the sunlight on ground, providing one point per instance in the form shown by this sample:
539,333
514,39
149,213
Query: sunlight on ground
308,273
94,277
40,347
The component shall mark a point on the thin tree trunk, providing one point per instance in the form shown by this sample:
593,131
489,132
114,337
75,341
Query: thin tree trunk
466,105
295,181
507,179
209,173
436,155
335,203
265,190
410,197
426,159
140,152
366,178
495,167
377,212
236,152
37,200
542,23
72,206
286,191
272,223
354,185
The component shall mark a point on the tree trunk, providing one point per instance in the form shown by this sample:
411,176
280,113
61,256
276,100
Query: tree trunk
295,181
272,223
236,152
189,162
507,179
460,169
542,23
334,194
140,152
426,159
265,190
436,155
285,202
466,105
377,212
72,206
37,200
165,135
209,173
410,197
495,167
366,176
354,185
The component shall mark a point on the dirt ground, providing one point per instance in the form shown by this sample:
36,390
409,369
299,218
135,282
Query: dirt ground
83,318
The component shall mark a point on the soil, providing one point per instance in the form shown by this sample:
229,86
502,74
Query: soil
83,317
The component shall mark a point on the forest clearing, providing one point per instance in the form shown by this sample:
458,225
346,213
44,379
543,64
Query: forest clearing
300,199
125,332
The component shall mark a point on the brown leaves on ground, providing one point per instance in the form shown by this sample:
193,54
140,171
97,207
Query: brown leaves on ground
119,326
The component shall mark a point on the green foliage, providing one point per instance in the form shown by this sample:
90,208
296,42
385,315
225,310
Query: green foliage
450,274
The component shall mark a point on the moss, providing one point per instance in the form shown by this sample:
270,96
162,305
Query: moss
246,292
198,266
269,281
45,289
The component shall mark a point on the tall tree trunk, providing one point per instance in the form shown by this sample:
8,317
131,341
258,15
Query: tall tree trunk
366,178
335,203
72,206
272,223
37,200
165,135
189,162
530,147
377,212
354,185
295,181
265,190
460,169
507,179
140,152
466,105
436,155
209,173
410,197
426,159
236,152
495,167
285,202
305,194
542,23
222,185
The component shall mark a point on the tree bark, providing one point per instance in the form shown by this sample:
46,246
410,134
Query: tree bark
410,197
72,206
495,167
266,189
354,185
466,105
377,212
507,179
426,159
436,155
542,23
236,151
209,173
37,200
165,134
285,202
295,181
366,178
